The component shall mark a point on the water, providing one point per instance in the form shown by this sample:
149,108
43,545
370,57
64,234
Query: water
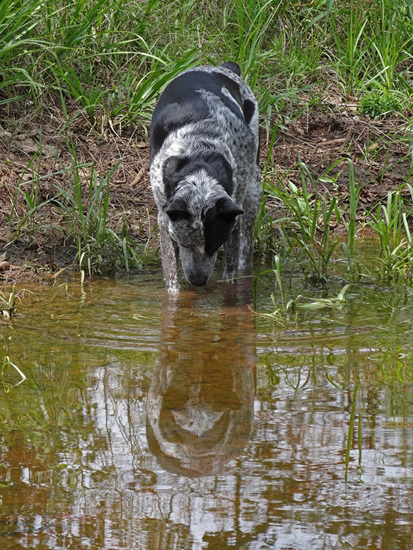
189,423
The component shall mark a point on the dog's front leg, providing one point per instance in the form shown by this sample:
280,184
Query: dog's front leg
168,255
246,243
251,206
231,253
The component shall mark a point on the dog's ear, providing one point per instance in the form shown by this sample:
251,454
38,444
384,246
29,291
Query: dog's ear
227,210
219,222
171,173
177,210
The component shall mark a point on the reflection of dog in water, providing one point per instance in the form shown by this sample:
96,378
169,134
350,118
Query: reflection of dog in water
200,403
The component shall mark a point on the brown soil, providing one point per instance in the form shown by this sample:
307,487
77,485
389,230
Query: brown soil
379,151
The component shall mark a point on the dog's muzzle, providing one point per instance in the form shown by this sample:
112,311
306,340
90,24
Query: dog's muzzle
198,279
197,265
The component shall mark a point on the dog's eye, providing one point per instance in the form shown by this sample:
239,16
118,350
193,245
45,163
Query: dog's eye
177,215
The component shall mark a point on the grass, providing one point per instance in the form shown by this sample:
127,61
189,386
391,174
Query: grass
107,62
390,223
379,104
309,247
306,227
114,59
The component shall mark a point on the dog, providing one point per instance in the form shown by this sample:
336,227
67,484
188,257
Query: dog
204,172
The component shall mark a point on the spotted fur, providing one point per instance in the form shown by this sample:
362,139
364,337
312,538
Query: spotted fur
204,173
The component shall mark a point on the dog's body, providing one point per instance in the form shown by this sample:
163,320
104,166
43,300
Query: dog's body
204,172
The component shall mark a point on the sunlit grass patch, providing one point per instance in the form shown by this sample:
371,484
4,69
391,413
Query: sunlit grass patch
379,104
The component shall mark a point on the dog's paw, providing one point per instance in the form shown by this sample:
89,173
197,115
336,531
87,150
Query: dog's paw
173,288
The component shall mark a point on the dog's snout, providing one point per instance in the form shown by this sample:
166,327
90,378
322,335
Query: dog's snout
198,279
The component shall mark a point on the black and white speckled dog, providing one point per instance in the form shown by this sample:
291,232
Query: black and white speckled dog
204,172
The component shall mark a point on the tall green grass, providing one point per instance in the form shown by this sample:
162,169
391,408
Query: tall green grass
117,56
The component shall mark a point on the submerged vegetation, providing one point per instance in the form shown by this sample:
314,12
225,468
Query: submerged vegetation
101,65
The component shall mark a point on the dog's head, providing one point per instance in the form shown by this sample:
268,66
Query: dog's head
200,209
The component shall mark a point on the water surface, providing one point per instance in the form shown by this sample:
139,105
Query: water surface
154,423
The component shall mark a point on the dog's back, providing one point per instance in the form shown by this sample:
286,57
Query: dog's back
182,104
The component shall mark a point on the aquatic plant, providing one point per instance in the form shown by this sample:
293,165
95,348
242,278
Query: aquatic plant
350,222
8,303
288,300
7,364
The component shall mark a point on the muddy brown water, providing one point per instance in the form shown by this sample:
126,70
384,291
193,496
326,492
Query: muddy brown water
189,423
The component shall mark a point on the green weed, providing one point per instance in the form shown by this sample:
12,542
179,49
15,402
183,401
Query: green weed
352,43
336,302
379,104
116,60
287,307
306,227
350,222
390,223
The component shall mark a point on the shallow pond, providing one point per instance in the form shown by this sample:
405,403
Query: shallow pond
188,423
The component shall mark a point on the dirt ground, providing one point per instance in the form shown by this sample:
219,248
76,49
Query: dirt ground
35,165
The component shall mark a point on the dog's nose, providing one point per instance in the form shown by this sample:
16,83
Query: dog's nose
198,279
